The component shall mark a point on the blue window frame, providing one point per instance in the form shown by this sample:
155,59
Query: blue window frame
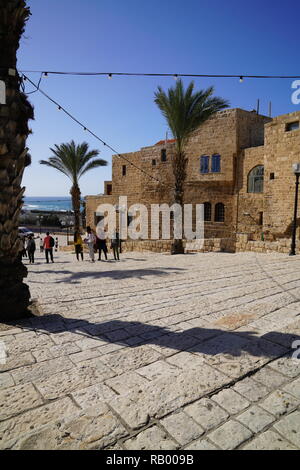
216,163
204,164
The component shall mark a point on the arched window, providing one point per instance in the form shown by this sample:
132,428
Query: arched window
207,211
219,212
256,179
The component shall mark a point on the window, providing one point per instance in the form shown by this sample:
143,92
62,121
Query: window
216,163
292,126
163,155
153,162
207,211
219,212
123,170
256,180
109,189
272,176
261,218
204,164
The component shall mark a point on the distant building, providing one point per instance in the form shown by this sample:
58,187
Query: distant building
239,167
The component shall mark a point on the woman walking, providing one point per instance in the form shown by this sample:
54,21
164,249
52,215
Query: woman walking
90,240
78,243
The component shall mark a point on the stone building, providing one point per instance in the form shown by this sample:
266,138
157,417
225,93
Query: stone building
239,167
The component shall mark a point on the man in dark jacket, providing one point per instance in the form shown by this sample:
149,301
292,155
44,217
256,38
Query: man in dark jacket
31,249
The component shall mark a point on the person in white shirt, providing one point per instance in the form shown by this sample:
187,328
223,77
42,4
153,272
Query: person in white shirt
90,240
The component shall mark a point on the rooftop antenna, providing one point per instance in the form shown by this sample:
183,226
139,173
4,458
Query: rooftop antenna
270,108
257,107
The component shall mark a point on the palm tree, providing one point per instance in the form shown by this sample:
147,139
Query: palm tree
14,117
73,161
185,111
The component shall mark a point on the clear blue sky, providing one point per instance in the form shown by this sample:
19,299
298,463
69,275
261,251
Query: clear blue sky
157,36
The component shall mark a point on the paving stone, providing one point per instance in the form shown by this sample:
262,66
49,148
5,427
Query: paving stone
28,341
207,413
65,349
250,389
87,430
14,400
269,440
289,427
201,444
255,418
186,360
230,435
123,383
14,362
230,401
293,388
6,380
163,396
85,355
287,366
129,359
279,403
42,355
42,370
158,369
89,343
182,427
95,395
269,378
24,423
169,344
151,439
73,379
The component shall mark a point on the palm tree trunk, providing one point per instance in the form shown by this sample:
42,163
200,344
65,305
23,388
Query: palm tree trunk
75,194
14,116
179,170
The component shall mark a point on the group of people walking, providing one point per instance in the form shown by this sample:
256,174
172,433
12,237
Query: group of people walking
96,244
46,245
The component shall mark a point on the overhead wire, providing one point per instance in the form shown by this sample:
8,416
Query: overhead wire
85,128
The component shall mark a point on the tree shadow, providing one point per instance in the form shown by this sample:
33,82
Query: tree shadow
75,277
207,341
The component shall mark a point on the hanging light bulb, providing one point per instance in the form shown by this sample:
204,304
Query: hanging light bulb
109,76
59,108
45,74
175,76
241,79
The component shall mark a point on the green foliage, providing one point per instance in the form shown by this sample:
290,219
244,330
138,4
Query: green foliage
73,160
185,110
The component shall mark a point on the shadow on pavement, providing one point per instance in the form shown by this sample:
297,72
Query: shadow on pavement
208,341
74,277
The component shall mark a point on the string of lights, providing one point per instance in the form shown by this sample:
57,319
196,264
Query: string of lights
241,77
61,108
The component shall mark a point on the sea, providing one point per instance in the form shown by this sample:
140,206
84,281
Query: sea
60,204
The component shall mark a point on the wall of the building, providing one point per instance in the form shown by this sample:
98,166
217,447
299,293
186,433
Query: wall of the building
244,140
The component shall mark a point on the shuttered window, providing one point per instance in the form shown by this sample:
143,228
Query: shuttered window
204,164
216,163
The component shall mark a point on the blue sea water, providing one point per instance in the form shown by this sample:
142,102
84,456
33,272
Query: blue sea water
47,203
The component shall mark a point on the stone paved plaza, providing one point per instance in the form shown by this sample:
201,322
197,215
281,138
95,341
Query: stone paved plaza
155,352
